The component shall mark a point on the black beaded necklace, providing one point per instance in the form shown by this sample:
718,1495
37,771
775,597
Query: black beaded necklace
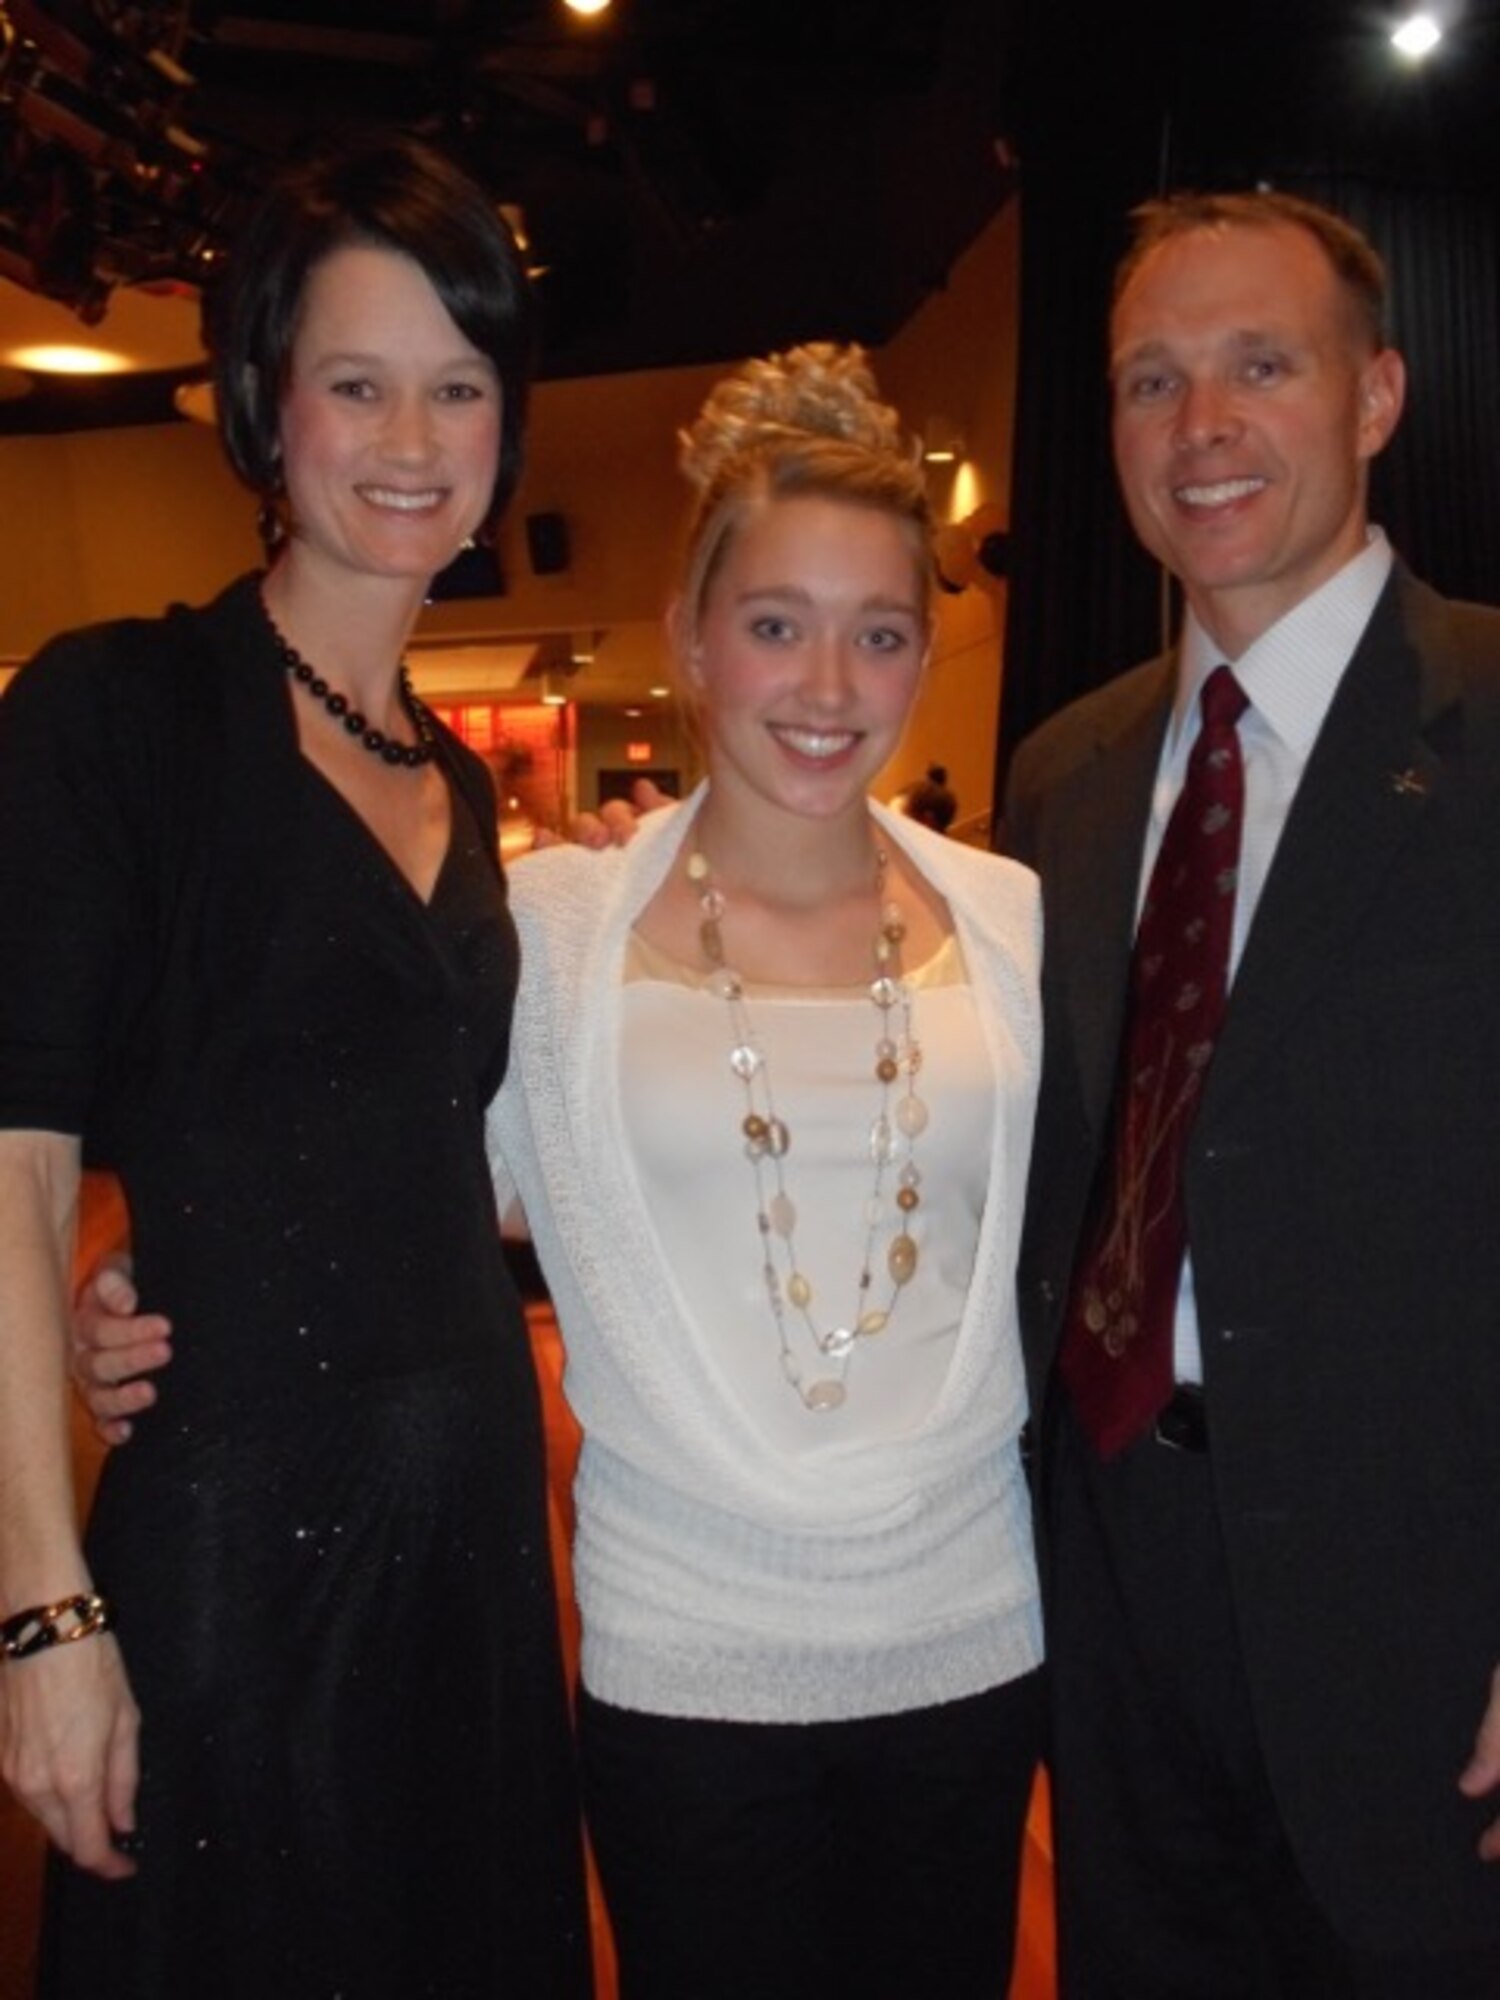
410,755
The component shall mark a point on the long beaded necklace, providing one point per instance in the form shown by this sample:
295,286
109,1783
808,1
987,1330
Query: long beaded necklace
890,1143
411,756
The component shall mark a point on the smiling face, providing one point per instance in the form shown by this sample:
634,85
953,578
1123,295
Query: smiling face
808,653
389,421
1248,404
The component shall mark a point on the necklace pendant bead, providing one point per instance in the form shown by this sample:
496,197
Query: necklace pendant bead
782,1214
745,1060
837,1342
885,991
901,1259
882,1141
821,1397
907,1199
887,1069
799,1291
873,1322
911,1117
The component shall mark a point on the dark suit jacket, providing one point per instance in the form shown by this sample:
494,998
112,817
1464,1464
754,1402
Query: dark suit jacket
1343,1198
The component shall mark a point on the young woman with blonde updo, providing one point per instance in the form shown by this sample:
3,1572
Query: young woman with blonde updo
769,1113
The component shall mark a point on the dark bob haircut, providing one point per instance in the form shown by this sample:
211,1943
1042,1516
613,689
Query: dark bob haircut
392,192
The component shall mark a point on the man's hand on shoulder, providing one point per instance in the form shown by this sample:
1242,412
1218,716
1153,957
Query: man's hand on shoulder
615,823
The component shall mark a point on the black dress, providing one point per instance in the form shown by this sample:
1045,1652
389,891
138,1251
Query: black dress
328,1543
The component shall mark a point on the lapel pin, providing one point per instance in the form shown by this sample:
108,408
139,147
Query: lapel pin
1408,784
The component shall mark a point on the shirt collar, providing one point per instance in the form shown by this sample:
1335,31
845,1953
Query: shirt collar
1292,671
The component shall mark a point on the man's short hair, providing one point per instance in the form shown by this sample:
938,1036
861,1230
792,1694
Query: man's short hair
1355,263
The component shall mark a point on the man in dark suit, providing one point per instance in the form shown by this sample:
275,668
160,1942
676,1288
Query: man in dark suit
1271,1511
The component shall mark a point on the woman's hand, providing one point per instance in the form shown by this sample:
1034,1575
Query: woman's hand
114,1348
69,1736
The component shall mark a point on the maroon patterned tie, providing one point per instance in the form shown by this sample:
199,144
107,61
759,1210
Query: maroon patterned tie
1116,1357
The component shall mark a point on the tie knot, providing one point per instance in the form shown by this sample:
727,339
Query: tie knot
1224,700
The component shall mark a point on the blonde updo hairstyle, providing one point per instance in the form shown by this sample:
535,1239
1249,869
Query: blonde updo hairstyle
809,421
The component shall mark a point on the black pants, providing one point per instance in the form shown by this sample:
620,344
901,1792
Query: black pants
1175,1880
867,1860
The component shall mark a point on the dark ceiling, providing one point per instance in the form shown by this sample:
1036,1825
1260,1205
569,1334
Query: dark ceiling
699,178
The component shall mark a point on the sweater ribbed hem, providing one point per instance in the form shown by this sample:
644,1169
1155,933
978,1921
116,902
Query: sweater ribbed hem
817,1683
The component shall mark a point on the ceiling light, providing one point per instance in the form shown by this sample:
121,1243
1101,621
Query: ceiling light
587,7
1417,36
60,359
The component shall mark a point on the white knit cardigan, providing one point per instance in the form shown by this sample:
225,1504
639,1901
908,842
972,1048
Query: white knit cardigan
714,1576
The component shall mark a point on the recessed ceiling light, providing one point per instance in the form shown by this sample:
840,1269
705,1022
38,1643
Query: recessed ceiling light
60,359
1417,36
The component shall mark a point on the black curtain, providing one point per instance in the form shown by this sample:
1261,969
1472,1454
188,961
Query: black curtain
1110,111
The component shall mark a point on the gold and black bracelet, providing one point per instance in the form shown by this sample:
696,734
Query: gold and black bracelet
58,1624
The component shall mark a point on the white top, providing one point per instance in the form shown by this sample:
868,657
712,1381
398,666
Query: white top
717,1573
1290,676
683,1105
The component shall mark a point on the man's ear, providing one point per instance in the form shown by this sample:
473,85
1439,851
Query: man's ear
1382,397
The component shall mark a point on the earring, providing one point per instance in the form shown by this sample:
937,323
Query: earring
270,525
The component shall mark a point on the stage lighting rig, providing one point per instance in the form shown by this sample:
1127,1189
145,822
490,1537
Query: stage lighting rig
102,181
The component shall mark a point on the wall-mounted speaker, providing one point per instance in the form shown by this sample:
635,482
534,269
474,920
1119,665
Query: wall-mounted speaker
547,544
473,572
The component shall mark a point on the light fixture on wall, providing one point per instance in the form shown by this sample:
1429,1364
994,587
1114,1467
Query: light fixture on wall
976,550
942,442
195,401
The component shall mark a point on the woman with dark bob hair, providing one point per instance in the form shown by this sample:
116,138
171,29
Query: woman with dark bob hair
292,1712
